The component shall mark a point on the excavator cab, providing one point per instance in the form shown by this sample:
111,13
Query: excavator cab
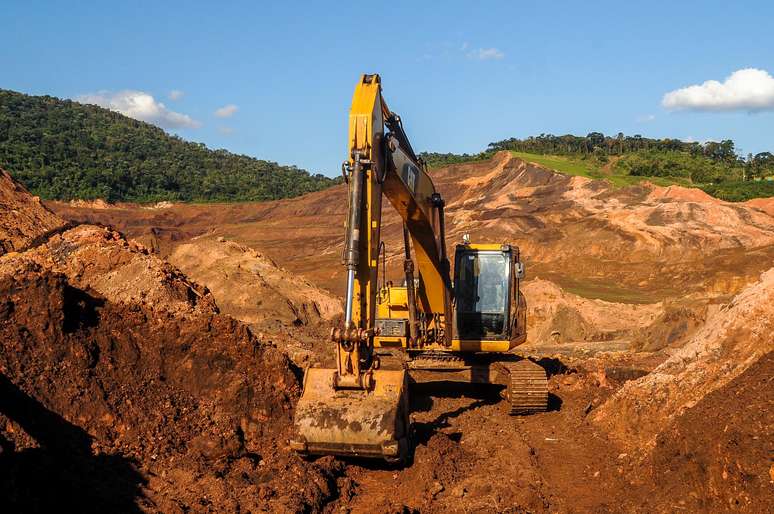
488,303
482,292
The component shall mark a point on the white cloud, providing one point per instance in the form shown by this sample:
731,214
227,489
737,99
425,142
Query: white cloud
176,94
226,131
645,118
226,111
450,51
749,89
140,106
486,54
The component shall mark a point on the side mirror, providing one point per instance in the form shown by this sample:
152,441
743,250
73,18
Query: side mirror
518,270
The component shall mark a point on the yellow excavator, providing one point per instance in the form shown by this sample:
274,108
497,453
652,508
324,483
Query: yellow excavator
431,328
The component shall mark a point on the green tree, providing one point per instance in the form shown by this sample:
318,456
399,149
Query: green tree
61,149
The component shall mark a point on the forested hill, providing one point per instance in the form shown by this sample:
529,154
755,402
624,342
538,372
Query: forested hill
61,149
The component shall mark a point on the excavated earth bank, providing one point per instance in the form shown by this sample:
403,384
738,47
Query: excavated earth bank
124,389
127,385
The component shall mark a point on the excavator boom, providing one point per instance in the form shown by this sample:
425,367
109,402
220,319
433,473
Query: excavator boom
359,408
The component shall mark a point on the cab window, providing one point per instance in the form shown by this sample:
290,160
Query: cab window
481,290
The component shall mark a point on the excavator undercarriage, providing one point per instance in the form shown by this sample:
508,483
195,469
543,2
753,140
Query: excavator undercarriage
434,328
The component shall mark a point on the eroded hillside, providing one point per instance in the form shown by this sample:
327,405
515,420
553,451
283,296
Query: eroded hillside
650,309
669,256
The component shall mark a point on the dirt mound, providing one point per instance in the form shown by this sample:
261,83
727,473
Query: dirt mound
278,305
690,194
727,344
123,389
438,468
102,261
556,316
251,287
717,455
129,405
91,204
23,219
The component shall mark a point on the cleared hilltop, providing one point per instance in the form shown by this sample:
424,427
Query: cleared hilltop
715,167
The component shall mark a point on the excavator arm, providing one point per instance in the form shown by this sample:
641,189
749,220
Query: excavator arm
358,408
384,164
411,192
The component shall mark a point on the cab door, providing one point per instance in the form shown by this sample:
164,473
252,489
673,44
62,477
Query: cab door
482,291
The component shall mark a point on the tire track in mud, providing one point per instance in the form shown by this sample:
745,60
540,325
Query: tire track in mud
535,463
471,456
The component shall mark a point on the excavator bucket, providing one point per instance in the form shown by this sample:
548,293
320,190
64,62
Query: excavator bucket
370,422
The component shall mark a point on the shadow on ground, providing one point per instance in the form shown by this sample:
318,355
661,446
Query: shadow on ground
422,401
62,474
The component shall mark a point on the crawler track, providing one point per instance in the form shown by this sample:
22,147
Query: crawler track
527,389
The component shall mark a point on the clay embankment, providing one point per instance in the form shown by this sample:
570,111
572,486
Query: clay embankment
124,389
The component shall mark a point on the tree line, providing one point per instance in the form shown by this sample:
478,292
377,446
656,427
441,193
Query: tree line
702,162
64,150
60,149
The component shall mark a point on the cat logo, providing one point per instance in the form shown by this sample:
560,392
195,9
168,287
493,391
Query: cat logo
410,177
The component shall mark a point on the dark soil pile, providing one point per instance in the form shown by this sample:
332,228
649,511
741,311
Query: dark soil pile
123,388
719,455
114,407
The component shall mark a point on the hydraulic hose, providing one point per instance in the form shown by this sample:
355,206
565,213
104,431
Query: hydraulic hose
352,238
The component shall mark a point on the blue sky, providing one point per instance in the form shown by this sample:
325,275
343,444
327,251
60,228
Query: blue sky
461,75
